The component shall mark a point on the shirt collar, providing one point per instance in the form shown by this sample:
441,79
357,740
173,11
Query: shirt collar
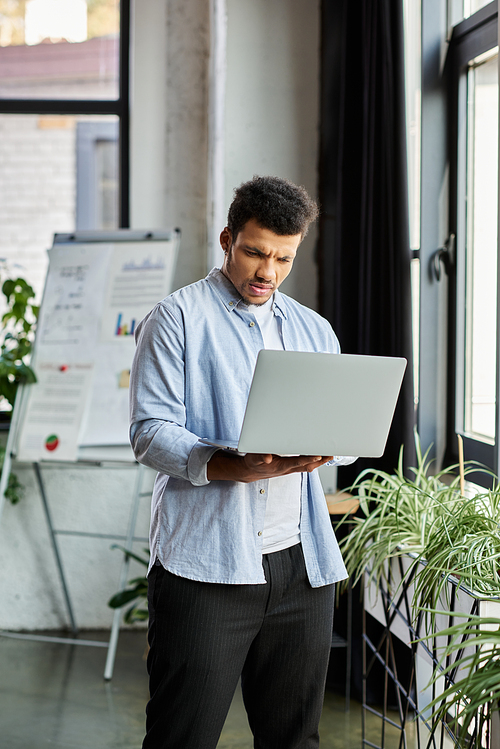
230,297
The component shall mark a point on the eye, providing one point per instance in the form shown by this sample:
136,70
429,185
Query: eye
285,260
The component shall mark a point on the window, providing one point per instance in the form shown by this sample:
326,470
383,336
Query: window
63,124
96,175
460,9
481,247
412,31
474,218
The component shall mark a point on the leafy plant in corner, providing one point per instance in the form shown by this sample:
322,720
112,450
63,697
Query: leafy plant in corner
399,515
18,327
136,594
425,520
464,548
17,334
449,542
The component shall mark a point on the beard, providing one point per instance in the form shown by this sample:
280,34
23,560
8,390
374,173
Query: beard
242,286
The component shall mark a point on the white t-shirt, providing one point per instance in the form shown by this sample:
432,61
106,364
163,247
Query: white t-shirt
282,524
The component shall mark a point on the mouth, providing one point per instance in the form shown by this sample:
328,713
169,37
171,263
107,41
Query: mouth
259,289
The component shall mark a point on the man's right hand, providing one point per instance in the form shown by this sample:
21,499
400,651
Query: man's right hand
226,466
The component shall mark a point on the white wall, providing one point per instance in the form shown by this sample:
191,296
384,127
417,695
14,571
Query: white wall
271,118
272,106
91,500
169,124
271,127
37,191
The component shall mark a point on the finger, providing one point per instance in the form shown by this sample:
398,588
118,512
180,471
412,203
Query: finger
297,463
307,459
316,463
257,459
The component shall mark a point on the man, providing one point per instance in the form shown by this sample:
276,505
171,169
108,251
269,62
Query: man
243,556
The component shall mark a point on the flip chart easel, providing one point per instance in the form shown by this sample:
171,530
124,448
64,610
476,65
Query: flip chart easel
98,287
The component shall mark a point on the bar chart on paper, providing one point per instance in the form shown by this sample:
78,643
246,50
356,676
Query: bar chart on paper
122,328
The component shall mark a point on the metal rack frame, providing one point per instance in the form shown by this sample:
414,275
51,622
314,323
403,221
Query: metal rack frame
398,612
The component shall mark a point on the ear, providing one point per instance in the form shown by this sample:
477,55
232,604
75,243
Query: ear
225,239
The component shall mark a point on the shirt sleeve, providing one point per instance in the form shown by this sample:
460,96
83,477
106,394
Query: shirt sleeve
158,433
342,460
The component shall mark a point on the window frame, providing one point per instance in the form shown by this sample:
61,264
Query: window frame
470,38
119,107
88,134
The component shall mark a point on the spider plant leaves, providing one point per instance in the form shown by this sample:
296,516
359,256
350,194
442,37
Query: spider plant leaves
399,515
425,516
438,537
466,545
468,698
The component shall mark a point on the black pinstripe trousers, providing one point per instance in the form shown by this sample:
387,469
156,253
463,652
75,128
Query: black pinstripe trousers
203,636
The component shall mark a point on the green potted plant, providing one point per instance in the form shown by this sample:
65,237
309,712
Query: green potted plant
422,536
465,546
397,515
17,335
16,342
136,594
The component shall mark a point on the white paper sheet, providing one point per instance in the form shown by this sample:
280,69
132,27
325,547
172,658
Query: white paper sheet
139,276
72,302
54,411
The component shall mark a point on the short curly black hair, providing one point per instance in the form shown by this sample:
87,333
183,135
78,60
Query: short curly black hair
275,203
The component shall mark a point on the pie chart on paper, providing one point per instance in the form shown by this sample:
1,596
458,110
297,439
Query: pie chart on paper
52,443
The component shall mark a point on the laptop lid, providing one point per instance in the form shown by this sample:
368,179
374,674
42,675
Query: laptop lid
303,403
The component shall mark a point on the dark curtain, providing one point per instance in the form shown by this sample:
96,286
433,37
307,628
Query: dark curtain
364,253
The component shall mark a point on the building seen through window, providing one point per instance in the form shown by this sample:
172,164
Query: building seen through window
58,172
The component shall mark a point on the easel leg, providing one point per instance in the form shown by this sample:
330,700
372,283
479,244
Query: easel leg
113,644
115,628
55,547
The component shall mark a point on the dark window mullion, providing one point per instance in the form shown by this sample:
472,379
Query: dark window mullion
124,139
61,106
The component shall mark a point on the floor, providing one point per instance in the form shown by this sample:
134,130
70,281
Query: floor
54,695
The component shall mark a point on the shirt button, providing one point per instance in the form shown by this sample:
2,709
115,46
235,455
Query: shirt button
262,491
231,304
251,324
259,533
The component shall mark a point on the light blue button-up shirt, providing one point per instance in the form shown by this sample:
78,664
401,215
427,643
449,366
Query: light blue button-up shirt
196,352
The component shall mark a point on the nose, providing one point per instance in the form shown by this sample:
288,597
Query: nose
266,270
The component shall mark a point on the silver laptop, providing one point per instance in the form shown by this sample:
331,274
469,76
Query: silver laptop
303,403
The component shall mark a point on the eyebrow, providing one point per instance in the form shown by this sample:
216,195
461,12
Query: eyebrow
263,254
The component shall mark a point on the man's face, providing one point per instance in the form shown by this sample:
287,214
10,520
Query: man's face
258,261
